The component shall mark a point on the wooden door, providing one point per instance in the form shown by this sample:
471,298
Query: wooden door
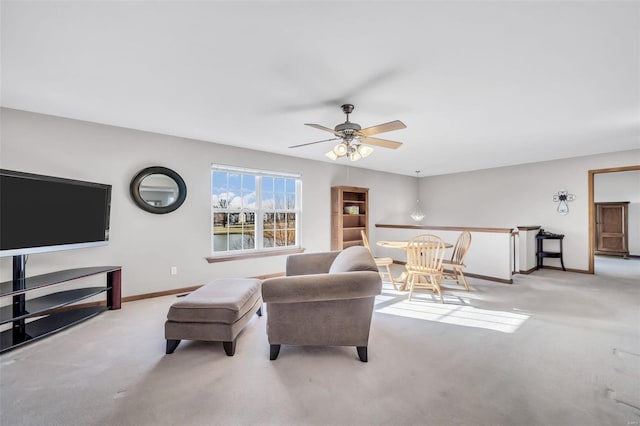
611,228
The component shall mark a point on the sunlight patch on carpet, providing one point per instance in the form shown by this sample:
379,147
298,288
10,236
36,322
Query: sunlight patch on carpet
467,316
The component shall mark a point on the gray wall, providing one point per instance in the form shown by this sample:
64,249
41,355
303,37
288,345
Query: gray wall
147,245
622,186
522,196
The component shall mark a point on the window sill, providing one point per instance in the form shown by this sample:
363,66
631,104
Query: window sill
231,257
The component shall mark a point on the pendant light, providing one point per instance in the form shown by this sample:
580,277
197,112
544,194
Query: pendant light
417,214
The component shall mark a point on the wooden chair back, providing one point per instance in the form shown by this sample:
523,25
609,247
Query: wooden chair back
425,253
461,248
365,240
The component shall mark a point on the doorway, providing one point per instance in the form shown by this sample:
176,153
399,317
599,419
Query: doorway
592,208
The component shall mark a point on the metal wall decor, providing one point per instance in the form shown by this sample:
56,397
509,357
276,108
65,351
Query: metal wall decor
561,198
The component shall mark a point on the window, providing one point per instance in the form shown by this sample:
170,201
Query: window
253,210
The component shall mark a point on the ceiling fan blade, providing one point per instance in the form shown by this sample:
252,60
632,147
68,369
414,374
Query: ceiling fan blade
326,129
381,128
385,143
311,143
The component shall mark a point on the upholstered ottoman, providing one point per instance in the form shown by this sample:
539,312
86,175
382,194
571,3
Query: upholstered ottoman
215,312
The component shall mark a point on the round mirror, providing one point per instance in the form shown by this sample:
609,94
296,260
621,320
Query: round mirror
158,190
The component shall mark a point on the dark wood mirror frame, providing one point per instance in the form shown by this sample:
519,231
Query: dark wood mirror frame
137,181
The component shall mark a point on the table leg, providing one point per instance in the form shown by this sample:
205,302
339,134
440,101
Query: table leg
403,279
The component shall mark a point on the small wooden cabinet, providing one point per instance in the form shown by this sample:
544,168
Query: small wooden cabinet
349,216
612,229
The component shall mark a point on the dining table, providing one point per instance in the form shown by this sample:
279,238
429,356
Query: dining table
402,245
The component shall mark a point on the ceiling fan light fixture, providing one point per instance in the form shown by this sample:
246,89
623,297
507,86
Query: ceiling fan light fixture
354,140
340,150
354,155
365,150
332,155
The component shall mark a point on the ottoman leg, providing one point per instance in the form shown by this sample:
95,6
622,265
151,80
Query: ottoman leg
274,350
229,347
172,345
362,353
259,313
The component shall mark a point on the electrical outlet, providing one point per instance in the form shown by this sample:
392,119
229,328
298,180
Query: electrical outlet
174,270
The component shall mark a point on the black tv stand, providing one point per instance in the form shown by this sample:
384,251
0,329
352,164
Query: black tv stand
52,310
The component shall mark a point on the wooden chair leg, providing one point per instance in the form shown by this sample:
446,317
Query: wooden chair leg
464,281
456,276
439,294
395,287
436,287
410,280
404,279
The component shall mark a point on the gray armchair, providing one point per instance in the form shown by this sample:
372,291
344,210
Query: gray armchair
325,299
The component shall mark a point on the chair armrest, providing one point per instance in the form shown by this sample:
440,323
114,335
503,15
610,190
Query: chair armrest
321,287
310,263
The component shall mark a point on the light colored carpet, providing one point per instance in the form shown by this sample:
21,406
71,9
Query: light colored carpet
554,348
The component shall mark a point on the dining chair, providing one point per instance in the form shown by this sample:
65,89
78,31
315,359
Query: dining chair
381,262
452,269
425,254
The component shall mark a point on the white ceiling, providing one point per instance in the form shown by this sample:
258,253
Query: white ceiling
479,84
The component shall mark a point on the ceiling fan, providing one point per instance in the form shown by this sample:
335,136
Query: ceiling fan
354,140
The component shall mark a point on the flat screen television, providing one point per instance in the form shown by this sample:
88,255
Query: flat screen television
45,213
